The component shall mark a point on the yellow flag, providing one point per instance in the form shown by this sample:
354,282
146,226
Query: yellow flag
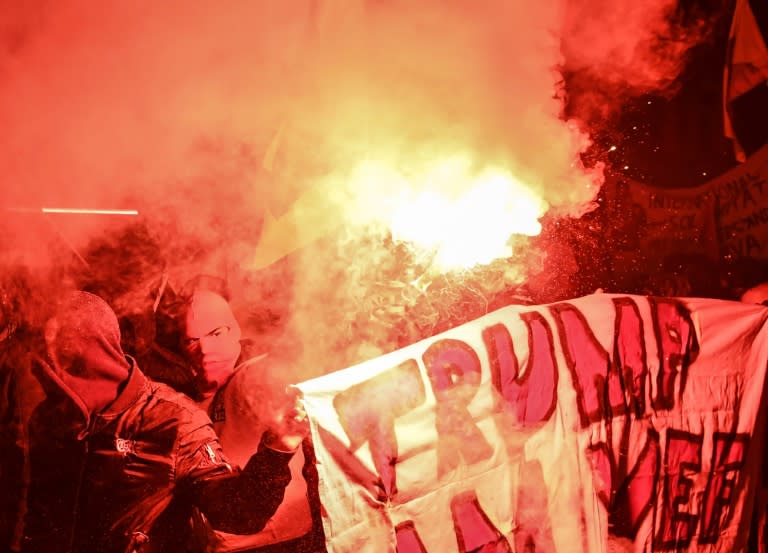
311,212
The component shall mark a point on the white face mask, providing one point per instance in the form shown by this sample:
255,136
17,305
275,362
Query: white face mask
211,340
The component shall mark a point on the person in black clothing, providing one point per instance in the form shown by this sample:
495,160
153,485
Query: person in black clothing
242,394
104,451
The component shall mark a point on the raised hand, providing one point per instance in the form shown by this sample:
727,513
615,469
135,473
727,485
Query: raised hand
287,423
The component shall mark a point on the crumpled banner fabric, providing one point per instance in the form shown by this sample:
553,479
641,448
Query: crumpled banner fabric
603,423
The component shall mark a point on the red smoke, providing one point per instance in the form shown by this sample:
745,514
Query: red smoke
173,108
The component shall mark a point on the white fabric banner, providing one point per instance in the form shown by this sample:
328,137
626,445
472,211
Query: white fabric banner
599,423
741,197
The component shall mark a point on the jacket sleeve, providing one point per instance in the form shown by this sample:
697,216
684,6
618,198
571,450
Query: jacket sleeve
233,500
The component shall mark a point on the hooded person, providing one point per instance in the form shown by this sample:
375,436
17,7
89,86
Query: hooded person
242,395
108,450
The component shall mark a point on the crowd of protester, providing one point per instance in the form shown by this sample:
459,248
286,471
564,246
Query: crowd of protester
137,414
100,455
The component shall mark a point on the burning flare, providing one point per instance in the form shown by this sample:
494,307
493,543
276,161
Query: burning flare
449,210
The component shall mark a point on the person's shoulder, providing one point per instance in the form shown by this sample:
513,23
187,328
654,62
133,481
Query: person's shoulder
756,294
255,362
173,402
253,372
247,393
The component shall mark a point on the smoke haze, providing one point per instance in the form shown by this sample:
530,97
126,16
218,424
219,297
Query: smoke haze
237,129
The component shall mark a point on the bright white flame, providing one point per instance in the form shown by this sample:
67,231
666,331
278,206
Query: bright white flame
462,217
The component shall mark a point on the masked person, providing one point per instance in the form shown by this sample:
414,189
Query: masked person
242,396
108,451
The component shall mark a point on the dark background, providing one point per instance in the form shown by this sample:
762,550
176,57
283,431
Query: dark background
673,138
677,140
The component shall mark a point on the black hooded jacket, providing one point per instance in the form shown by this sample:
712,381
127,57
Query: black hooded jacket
97,481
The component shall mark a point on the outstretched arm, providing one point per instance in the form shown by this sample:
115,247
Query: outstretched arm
242,501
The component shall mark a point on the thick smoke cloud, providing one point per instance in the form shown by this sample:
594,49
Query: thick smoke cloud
163,106
615,51
240,127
